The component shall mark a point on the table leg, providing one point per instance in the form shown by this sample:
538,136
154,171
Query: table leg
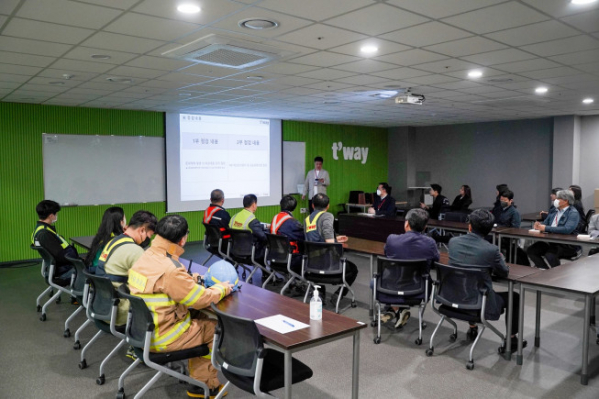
356,366
593,312
508,315
288,373
520,326
584,377
499,242
538,321
371,310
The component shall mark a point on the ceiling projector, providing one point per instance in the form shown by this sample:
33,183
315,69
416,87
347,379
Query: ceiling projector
409,98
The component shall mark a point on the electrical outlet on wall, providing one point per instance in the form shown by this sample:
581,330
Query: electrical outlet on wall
303,210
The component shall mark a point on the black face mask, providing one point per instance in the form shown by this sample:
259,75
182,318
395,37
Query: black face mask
145,243
504,204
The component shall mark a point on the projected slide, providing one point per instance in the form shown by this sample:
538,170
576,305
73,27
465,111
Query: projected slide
232,154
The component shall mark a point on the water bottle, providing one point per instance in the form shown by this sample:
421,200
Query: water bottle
316,305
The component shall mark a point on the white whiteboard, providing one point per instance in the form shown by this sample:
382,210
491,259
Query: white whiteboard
94,170
294,165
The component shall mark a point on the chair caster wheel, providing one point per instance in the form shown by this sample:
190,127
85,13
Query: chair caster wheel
77,345
82,364
58,300
418,341
43,317
39,308
429,352
453,337
374,323
354,304
67,333
470,365
501,349
121,394
377,340
100,380
423,325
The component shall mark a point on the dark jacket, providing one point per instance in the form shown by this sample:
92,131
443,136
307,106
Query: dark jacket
220,218
49,239
292,229
385,207
581,222
461,204
440,205
412,245
509,217
567,224
473,250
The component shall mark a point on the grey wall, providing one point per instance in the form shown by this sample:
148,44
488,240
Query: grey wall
482,155
566,151
589,159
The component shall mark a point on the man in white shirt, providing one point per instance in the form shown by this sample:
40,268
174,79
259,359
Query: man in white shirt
317,181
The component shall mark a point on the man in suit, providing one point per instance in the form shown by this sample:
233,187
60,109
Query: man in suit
384,203
472,250
317,181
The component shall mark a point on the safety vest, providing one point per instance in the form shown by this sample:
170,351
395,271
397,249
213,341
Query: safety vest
63,243
311,231
276,224
242,220
212,209
107,252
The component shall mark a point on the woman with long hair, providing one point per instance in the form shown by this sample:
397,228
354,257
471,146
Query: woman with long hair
113,224
462,202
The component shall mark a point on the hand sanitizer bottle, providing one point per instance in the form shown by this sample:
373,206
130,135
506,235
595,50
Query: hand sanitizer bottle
316,305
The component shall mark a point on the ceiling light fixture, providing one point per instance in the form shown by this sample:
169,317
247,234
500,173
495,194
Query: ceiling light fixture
475,74
188,8
254,77
588,101
100,57
57,83
258,23
369,49
119,80
541,90
581,2
386,94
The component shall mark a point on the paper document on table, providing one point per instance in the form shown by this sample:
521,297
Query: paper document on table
281,324
366,214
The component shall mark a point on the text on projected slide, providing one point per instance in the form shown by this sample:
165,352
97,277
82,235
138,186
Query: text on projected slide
232,154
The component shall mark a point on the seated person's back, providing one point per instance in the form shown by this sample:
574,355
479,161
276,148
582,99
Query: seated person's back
246,220
216,215
113,224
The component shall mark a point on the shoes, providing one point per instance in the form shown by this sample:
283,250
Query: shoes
402,318
131,353
74,301
386,317
197,392
472,333
515,344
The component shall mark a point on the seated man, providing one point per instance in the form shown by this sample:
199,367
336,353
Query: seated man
246,220
319,228
412,245
440,205
562,220
471,250
496,211
169,292
284,224
384,203
509,216
45,236
121,253
216,215
554,191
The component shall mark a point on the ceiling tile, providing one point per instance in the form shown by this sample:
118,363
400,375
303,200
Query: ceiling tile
9,77
68,13
587,21
33,46
411,57
541,32
365,66
136,72
377,19
592,67
183,78
84,66
120,4
45,31
500,56
164,64
502,16
449,65
326,74
210,71
85,54
529,65
401,73
77,76
316,10
426,34
383,46
324,59
2,20
321,37
212,10
560,8
445,8
328,86
150,27
581,57
362,79
563,46
551,73
286,23
111,41
25,59
7,6
19,69
8,85
432,79
469,46
287,68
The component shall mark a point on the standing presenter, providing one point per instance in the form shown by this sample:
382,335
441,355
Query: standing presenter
317,181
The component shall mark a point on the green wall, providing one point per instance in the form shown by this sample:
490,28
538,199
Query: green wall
21,174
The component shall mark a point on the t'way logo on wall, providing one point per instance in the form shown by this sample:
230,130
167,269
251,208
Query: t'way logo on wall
350,153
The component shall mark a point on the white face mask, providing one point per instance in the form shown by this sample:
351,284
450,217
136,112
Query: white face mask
378,192
55,219
556,203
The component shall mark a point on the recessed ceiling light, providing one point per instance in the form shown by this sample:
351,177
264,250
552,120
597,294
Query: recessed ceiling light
188,8
588,101
119,80
475,74
100,57
369,49
579,2
385,94
184,94
57,83
258,23
541,90
254,77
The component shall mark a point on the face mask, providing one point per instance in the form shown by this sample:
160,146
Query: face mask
505,204
378,192
56,218
145,243
556,203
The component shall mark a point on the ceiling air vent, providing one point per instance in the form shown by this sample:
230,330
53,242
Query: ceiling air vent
226,52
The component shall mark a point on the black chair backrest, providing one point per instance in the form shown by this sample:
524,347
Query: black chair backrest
140,318
401,277
213,235
463,217
240,243
79,283
278,248
353,196
323,258
102,295
587,219
239,344
47,259
461,287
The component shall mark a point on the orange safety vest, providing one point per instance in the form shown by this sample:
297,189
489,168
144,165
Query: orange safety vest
212,209
277,222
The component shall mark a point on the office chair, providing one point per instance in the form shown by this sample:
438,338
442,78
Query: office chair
138,333
77,288
462,295
242,250
278,257
323,263
587,219
462,217
48,271
402,283
238,352
214,242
